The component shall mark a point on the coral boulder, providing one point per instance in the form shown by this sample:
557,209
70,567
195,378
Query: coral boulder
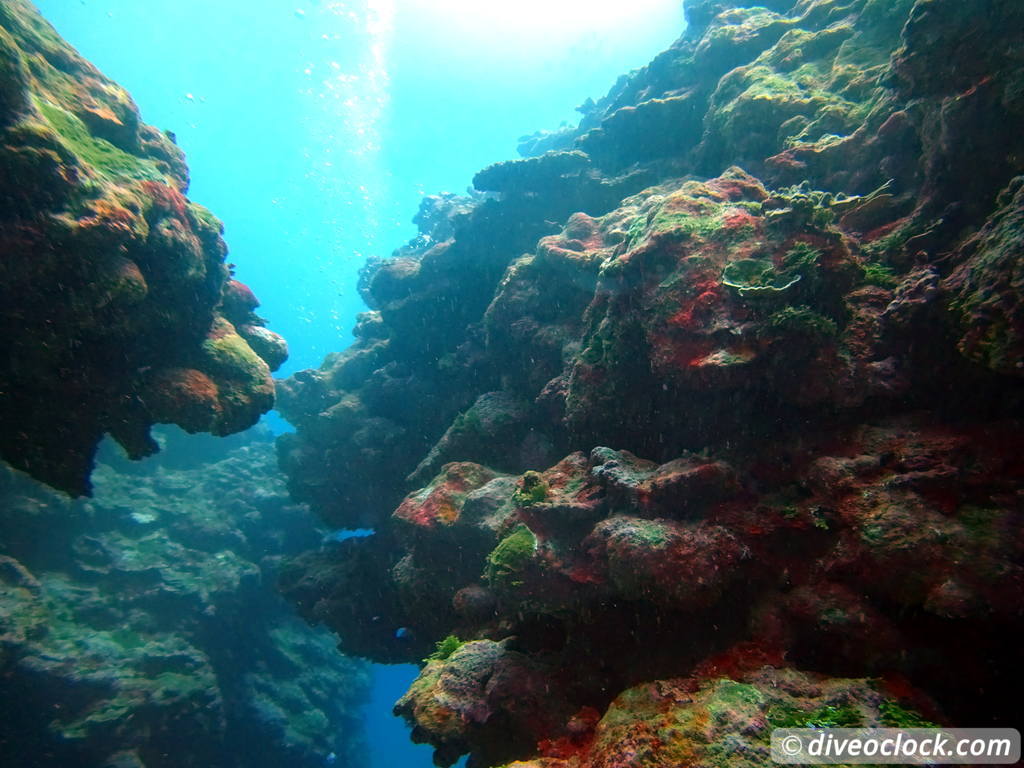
116,307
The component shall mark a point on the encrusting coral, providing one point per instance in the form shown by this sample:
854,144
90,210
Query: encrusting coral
116,307
777,272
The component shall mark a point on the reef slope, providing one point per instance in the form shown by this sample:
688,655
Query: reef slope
720,389
140,627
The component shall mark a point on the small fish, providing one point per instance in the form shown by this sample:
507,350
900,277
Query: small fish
403,633
342,534
331,759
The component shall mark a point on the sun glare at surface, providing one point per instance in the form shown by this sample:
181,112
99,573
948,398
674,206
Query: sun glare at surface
521,28
363,106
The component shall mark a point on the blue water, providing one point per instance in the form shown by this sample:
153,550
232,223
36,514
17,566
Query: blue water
313,127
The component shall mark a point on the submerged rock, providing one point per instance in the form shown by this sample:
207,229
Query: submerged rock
718,721
137,628
987,288
116,307
776,272
838,552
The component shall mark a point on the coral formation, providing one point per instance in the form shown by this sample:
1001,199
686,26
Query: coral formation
115,302
716,722
777,271
137,628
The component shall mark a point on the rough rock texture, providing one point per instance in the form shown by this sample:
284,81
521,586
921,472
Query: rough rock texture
116,307
878,549
709,721
137,628
731,374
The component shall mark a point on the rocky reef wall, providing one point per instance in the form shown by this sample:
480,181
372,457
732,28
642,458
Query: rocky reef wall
705,416
117,309
141,627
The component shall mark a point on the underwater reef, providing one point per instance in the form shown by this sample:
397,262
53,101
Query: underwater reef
117,309
705,416
140,627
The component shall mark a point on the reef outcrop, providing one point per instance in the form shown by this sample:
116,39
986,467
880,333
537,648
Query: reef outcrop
138,628
116,307
721,390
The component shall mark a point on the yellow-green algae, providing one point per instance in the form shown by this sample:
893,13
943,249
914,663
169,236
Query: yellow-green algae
510,558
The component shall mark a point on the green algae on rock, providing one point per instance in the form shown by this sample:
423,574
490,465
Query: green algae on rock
114,284
719,722
511,556
988,286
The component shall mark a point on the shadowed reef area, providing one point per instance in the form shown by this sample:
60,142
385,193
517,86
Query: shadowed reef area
140,628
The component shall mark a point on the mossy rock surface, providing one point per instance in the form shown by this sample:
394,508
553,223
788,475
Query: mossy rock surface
113,279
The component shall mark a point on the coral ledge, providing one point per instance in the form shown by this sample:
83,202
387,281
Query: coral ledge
116,307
